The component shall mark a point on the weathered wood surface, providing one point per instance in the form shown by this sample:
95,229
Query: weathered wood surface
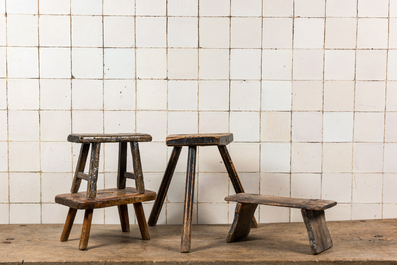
68,224
189,199
309,204
136,159
242,223
122,165
165,184
140,217
85,230
105,198
80,167
317,229
109,138
94,170
233,175
124,220
199,139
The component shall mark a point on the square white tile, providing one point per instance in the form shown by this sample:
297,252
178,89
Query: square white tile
148,7
309,33
119,7
22,7
152,95
277,33
306,157
275,157
276,95
214,95
87,31
338,126
367,188
307,95
119,95
55,94
371,65
389,181
118,32
87,63
56,157
370,96
55,63
23,94
246,32
119,121
276,64
310,8
182,7
245,95
390,127
337,157
306,186
245,156
246,8
245,64
341,8
153,123
22,62
214,64
213,122
151,32
276,126
282,8
182,123
182,95
372,33
84,89
339,65
214,7
307,126
29,152
55,125
390,155
54,7
119,63
86,7
308,65
338,96
367,157
391,97
18,121
54,30
87,121
336,187
183,32
151,63
340,33
368,127
245,126
214,32
24,187
368,8
182,64
25,214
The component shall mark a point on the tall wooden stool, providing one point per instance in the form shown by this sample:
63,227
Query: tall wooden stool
192,141
120,197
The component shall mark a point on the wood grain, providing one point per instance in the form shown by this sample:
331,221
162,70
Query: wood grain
94,169
165,184
309,204
85,230
109,138
189,199
124,220
68,224
199,139
136,159
317,229
105,198
122,165
242,223
140,216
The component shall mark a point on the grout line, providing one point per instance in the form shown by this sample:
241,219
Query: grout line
322,106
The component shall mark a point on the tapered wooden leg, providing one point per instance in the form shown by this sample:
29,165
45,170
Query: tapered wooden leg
124,220
85,231
68,224
94,168
238,187
242,221
165,184
189,199
317,229
140,216
122,165
136,159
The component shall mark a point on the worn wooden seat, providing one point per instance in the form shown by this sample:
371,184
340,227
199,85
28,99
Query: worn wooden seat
120,196
312,212
192,141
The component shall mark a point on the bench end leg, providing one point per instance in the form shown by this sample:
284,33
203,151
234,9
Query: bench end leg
242,222
319,237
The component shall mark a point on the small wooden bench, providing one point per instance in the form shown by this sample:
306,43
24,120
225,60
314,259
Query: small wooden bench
312,212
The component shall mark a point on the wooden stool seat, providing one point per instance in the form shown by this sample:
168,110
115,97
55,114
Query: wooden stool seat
192,141
312,212
109,138
199,139
120,196
105,198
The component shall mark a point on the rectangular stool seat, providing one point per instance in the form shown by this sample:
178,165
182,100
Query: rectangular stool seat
105,198
109,138
201,139
308,204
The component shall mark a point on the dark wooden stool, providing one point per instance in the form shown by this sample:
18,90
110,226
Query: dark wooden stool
312,212
120,197
192,141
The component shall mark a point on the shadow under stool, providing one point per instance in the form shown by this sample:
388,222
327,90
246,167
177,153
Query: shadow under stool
192,141
120,196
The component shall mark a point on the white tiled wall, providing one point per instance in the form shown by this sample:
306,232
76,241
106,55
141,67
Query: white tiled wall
307,87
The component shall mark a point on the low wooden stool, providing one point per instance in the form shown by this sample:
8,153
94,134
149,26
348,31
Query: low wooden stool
192,141
312,212
120,197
